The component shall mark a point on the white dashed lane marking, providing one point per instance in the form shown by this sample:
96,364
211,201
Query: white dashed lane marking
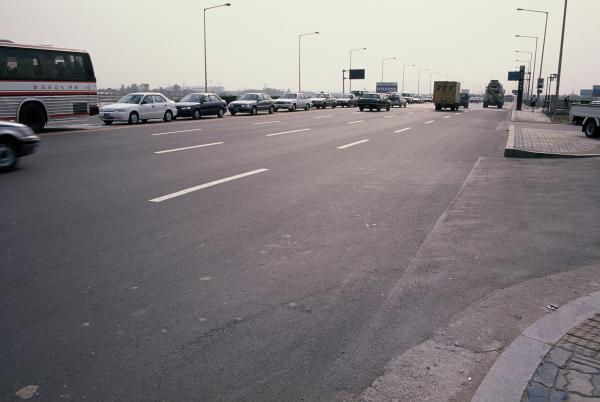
287,132
352,144
402,130
184,148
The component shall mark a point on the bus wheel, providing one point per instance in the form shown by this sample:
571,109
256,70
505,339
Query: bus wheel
33,115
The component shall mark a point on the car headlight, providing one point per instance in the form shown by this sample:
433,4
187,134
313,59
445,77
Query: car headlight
186,108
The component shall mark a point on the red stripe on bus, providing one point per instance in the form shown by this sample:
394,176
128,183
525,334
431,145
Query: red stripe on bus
47,93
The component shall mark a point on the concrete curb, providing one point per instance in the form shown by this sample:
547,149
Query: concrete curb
511,152
509,376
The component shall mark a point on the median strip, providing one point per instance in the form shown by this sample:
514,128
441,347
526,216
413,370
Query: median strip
354,122
184,148
287,132
402,130
180,131
206,185
352,144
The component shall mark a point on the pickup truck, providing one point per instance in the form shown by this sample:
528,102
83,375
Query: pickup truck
589,116
374,101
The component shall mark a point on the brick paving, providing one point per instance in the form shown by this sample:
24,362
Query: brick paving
556,142
570,371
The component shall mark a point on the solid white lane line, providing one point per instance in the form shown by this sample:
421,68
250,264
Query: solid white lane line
268,122
352,144
429,122
184,148
401,130
206,185
287,132
322,117
354,122
180,131
446,117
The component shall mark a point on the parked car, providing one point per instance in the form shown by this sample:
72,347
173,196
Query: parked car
196,105
293,101
136,107
397,100
16,140
374,101
348,100
323,100
252,103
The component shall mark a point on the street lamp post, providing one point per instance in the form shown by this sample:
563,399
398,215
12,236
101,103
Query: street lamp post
560,56
299,60
534,58
538,91
419,80
382,63
205,64
349,79
404,72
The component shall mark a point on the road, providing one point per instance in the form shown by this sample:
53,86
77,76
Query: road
244,258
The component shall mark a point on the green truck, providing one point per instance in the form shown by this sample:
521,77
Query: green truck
446,95
494,95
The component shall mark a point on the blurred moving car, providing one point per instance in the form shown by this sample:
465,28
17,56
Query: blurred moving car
196,105
428,98
397,100
374,101
252,103
292,102
476,99
16,140
323,100
417,99
141,106
348,100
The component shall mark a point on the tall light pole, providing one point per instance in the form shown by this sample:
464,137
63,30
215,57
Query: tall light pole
562,42
534,58
382,63
205,69
351,51
419,80
299,60
404,72
538,91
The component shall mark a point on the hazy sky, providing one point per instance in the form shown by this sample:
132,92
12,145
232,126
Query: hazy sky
255,43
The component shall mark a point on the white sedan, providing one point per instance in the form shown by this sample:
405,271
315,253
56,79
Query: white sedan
137,107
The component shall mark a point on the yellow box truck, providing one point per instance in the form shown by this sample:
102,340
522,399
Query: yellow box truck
446,95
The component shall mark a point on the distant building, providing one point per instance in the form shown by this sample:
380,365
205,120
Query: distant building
586,92
596,91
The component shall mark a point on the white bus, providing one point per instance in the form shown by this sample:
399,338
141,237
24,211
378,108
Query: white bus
39,84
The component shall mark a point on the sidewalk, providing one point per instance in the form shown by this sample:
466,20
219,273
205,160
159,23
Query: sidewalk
555,359
534,135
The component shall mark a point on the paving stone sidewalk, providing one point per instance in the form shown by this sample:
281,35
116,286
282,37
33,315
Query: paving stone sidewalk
554,141
570,371
528,116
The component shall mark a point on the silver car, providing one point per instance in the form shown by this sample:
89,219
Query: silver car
293,101
16,140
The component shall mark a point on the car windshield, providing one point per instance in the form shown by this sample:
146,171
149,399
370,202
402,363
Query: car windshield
372,96
289,96
321,96
192,98
132,98
249,97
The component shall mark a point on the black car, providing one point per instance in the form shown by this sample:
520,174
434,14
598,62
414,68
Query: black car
16,140
196,105
374,101
348,100
252,103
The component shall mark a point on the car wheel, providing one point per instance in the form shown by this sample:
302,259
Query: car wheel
254,111
333,106
388,108
293,109
168,116
221,113
8,155
196,115
271,110
134,118
107,122
361,108
233,113
306,107
33,116
590,129
379,108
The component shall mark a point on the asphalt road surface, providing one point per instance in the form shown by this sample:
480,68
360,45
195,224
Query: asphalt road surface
244,258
